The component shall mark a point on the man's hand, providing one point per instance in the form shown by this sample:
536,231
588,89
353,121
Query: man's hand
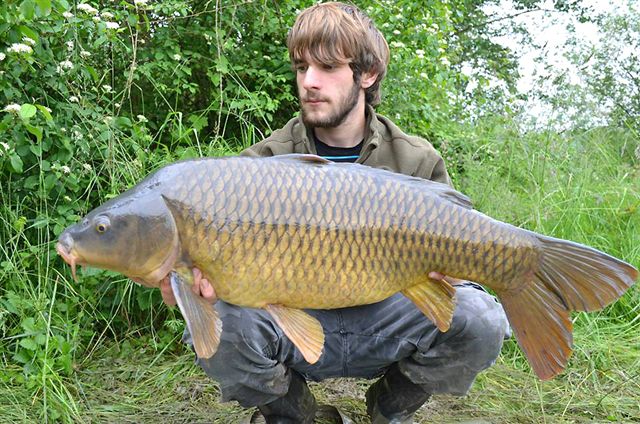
201,287
440,276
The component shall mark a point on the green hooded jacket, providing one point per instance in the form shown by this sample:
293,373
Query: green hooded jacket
385,146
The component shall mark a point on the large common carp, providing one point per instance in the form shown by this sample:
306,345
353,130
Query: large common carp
296,231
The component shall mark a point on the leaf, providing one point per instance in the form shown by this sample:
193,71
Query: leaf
45,112
16,163
43,7
93,73
22,357
37,131
28,8
222,65
29,324
41,339
28,343
132,20
27,111
35,149
28,32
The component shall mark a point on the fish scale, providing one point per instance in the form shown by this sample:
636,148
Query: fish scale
296,231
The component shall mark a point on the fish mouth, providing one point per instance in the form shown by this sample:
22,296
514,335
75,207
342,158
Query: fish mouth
68,255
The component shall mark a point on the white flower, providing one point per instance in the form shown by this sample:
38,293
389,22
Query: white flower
86,167
107,15
396,32
140,2
4,145
142,118
29,41
87,9
2,56
424,75
141,41
67,199
67,15
85,54
70,45
19,48
177,57
107,88
420,53
12,108
117,105
74,99
65,169
66,64
397,44
112,25
445,61
96,19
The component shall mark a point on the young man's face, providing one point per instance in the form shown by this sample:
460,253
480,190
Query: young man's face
328,94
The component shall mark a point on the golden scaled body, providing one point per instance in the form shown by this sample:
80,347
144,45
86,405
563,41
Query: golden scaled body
322,237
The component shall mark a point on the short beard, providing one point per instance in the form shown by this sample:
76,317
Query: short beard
332,121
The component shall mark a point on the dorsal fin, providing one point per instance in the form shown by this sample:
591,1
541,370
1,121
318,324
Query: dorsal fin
439,189
306,158
445,191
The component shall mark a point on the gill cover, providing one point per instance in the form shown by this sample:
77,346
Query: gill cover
133,234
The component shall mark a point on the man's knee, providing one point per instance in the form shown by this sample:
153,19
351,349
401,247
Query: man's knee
479,326
450,362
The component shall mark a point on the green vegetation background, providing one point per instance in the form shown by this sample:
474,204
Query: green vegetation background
97,95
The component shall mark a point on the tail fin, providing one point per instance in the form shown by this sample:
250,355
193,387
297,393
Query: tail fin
570,277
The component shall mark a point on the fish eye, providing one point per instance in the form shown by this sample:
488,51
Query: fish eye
102,224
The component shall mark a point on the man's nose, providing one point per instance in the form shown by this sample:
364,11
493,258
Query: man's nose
311,78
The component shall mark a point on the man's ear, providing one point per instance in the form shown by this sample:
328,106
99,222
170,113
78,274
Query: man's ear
367,79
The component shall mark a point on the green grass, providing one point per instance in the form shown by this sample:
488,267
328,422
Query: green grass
103,350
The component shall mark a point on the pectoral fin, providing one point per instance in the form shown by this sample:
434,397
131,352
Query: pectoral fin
436,299
304,331
201,317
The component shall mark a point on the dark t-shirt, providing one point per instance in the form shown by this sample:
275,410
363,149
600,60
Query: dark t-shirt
338,154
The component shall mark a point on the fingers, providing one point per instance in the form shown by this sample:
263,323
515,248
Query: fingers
202,286
207,291
167,292
434,275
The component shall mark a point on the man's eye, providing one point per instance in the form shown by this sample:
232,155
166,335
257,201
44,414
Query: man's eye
301,68
328,67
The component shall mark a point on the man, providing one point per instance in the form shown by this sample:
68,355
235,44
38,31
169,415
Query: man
340,59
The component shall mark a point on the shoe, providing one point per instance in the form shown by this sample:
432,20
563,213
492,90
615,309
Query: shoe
298,406
394,398
323,412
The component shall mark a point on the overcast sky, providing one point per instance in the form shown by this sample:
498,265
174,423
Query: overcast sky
550,31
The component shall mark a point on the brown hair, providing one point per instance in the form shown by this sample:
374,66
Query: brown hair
341,33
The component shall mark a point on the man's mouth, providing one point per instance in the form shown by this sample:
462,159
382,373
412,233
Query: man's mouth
313,100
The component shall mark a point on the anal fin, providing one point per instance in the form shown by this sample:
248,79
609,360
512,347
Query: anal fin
436,299
304,331
202,320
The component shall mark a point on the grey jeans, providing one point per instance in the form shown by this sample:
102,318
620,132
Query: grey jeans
254,355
